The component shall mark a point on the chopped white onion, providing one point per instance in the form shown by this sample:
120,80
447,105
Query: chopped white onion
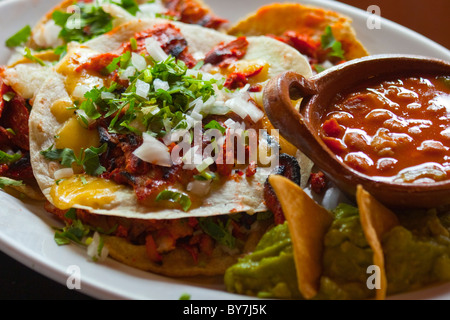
245,88
205,164
94,246
190,121
199,187
154,49
218,108
160,84
80,90
192,158
198,55
175,136
82,114
229,123
127,73
197,116
138,61
47,35
142,88
63,173
153,151
150,9
241,105
107,95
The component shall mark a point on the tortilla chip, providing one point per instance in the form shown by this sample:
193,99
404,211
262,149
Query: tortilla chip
308,222
276,19
376,220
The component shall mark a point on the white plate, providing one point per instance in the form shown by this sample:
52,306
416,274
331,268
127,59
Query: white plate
26,229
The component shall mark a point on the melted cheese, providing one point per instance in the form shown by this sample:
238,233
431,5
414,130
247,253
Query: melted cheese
61,110
76,79
83,190
76,137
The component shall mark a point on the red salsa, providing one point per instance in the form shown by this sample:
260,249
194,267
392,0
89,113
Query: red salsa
394,129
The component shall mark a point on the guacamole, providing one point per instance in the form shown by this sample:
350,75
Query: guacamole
258,273
417,253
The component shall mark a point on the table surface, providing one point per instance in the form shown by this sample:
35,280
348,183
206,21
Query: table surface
426,17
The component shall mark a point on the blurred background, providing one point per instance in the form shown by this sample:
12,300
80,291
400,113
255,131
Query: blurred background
427,17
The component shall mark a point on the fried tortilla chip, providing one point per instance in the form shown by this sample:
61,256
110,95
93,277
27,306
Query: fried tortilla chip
376,220
277,19
308,222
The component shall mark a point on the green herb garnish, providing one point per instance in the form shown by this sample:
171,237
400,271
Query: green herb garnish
176,197
218,230
330,43
6,158
88,158
19,38
213,124
33,58
89,22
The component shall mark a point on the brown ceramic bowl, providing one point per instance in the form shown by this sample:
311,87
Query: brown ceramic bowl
300,126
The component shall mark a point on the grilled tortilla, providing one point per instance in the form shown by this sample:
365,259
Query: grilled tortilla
324,36
49,33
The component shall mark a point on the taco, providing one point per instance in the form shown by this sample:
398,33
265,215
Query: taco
36,49
106,135
83,20
324,36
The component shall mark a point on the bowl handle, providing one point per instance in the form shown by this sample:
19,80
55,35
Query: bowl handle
278,95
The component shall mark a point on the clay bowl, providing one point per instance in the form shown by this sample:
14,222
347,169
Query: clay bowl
298,125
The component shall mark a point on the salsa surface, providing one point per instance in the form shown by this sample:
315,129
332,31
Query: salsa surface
394,129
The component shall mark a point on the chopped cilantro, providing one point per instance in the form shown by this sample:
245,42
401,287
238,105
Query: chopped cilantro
84,25
330,43
213,124
129,5
6,158
61,51
33,58
88,159
318,68
90,21
218,231
185,296
177,197
19,38
75,231
205,176
9,96
162,109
